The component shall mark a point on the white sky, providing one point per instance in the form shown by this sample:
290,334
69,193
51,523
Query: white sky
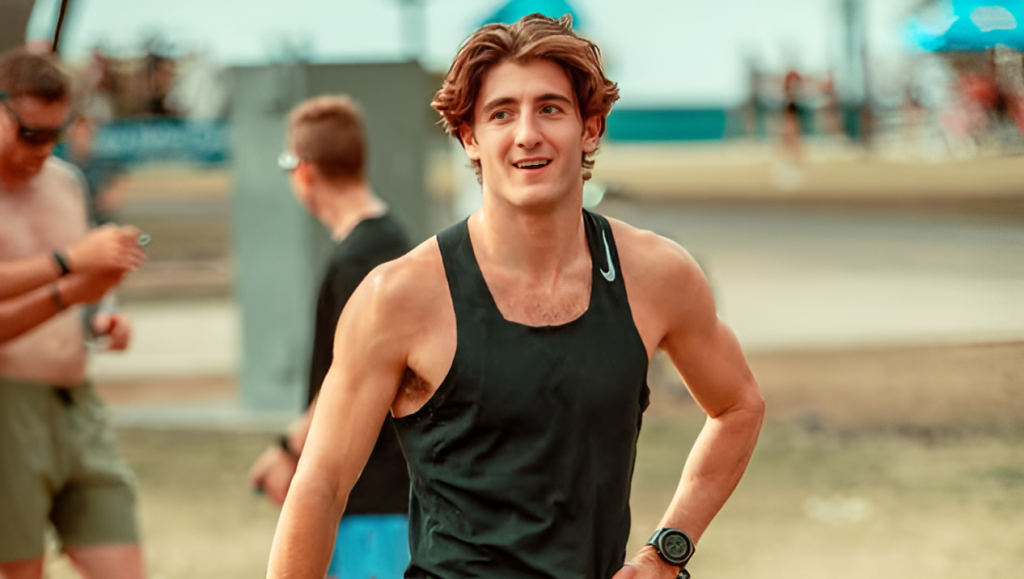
683,52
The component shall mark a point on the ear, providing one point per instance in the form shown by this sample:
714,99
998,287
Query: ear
469,142
593,128
304,175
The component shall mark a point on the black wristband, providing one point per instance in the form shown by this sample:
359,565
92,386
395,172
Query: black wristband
61,263
282,441
55,294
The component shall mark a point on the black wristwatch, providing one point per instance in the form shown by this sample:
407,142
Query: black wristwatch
674,547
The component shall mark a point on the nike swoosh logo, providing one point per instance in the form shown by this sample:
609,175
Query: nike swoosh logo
610,274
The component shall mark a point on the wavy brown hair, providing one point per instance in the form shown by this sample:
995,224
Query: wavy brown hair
534,36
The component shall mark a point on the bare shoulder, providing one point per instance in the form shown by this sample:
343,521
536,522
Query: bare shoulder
56,204
65,179
406,292
649,258
402,314
62,187
666,287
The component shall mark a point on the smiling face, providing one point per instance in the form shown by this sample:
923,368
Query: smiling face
22,159
528,136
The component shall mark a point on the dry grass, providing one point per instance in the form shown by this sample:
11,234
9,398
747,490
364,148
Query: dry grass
884,464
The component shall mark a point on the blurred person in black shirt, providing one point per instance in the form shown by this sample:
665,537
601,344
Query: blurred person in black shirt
325,159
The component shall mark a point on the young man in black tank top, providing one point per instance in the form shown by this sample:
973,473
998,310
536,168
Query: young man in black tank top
325,160
512,350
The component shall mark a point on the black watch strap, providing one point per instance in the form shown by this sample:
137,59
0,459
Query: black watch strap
282,441
62,263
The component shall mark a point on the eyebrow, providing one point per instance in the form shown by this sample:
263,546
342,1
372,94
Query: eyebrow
555,97
498,102
509,100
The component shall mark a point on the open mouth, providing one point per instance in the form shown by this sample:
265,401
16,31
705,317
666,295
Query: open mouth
533,164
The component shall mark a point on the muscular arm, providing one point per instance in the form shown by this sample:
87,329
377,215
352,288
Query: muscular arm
369,362
708,356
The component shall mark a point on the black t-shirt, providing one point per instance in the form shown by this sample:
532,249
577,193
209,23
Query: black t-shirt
383,488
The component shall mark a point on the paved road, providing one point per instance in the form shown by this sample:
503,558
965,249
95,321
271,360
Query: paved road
785,277
176,339
798,277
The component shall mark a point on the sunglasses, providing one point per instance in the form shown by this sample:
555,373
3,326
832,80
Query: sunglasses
288,162
34,136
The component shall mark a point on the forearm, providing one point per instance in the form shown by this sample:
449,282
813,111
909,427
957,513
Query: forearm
24,312
23,275
716,463
306,530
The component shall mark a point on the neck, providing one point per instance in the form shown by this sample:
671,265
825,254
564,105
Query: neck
9,179
341,207
540,242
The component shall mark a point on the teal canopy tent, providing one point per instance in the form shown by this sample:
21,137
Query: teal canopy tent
968,25
513,10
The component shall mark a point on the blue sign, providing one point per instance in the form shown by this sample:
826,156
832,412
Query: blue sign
513,10
969,25
132,142
696,124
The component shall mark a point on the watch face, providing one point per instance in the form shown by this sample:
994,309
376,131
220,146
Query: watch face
675,546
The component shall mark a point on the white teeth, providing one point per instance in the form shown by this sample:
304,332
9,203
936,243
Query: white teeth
525,164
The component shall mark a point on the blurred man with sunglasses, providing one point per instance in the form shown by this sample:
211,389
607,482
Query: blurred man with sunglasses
58,461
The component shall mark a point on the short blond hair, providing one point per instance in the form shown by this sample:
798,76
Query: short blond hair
327,131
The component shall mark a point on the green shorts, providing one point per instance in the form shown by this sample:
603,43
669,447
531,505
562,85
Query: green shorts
59,464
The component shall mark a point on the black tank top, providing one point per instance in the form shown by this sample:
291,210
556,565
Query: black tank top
521,462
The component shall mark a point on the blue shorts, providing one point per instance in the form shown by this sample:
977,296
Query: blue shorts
370,547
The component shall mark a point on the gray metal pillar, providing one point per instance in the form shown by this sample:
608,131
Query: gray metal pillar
279,249
14,16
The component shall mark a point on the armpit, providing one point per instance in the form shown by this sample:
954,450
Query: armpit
413,386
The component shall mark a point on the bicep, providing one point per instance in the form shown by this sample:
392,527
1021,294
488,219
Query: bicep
356,395
705,350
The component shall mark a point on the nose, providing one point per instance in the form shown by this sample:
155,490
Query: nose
528,133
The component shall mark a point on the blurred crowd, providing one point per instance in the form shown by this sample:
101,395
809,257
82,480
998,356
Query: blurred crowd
155,84
959,103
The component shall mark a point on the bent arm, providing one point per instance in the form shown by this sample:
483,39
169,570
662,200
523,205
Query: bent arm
22,313
107,249
27,274
709,358
30,309
722,384
357,393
